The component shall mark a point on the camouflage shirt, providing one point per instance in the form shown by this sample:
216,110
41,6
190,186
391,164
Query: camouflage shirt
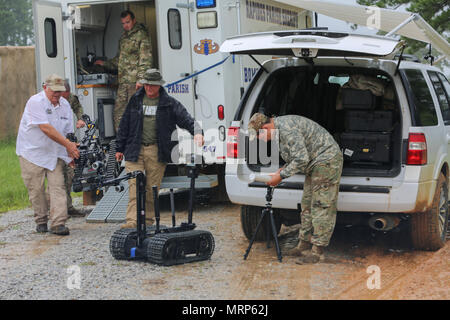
75,105
303,143
134,56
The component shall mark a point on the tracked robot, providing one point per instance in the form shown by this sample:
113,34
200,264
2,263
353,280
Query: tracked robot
160,244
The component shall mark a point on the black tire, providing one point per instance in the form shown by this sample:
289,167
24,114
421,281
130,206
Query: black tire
249,220
429,229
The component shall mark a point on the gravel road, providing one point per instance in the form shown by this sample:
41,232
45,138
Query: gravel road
79,266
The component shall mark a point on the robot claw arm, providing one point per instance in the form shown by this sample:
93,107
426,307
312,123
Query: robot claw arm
116,181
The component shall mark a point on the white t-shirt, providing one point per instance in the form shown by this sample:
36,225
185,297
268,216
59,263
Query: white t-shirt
32,143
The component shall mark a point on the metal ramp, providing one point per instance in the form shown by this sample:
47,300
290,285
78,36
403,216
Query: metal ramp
113,206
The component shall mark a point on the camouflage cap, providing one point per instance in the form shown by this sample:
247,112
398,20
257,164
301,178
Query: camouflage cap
256,122
55,83
152,76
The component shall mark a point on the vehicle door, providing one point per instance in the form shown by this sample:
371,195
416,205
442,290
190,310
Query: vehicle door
49,40
175,50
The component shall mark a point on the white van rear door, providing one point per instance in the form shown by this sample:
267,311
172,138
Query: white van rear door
49,40
175,50
311,44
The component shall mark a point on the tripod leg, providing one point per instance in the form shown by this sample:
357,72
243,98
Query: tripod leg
263,213
275,235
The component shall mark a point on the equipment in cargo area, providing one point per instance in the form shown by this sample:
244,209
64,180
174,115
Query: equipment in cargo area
366,146
367,136
355,99
374,121
160,244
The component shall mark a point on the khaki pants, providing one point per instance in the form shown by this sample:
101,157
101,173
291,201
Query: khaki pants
34,176
124,93
154,172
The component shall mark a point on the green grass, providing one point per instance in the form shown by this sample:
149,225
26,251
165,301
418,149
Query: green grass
13,193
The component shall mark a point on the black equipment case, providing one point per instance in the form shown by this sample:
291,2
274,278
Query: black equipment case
366,146
375,121
356,99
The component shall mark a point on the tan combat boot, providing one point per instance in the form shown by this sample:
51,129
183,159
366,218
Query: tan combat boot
316,255
299,249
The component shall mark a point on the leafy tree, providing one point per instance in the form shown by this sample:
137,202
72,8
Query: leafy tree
16,23
435,12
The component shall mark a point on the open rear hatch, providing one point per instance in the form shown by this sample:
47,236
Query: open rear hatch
312,44
365,122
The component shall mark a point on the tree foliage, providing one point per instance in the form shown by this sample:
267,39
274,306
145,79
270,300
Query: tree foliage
435,12
16,23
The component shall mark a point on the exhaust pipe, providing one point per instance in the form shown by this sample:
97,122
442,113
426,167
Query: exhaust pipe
383,222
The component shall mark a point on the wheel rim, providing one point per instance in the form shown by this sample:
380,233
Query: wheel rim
443,210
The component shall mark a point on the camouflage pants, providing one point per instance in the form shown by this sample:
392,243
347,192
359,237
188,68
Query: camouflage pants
68,173
124,93
320,193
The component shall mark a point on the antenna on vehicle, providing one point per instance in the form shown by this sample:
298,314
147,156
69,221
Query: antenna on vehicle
429,56
400,58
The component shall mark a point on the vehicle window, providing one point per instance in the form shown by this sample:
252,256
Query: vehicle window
442,95
174,24
50,37
422,98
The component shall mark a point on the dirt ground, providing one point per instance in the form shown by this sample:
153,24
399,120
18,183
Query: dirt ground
403,273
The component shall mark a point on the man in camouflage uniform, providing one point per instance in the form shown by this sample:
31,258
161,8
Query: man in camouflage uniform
132,60
307,148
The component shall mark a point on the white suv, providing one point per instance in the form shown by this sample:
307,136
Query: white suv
390,116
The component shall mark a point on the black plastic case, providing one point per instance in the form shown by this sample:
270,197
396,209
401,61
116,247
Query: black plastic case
355,99
377,121
366,146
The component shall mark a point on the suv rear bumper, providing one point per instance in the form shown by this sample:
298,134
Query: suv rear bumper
406,198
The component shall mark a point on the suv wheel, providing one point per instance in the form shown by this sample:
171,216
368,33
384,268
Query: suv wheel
249,220
429,229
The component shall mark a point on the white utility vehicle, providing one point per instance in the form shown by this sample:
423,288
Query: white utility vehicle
395,140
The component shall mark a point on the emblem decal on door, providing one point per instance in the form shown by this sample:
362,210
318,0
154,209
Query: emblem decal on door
206,46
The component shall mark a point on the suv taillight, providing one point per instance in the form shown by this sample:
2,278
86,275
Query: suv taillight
232,142
417,149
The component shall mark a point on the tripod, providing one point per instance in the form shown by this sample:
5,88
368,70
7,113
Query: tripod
267,210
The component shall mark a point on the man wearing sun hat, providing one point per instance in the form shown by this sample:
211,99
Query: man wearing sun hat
43,151
307,148
144,137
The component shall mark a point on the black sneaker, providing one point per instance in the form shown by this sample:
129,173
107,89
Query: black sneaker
42,228
60,230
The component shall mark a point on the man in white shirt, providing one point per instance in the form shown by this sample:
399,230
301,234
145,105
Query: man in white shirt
43,150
